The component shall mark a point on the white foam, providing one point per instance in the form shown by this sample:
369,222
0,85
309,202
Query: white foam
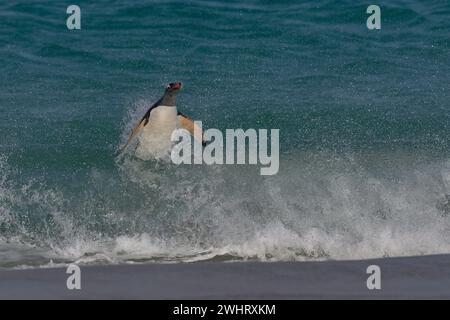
151,211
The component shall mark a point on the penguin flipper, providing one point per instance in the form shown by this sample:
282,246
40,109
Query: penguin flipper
188,124
135,131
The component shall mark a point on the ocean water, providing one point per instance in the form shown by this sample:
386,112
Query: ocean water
364,121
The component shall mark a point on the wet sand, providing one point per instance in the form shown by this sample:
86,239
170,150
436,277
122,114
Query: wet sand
426,277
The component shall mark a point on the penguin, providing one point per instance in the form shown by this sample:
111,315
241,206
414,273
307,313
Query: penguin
155,128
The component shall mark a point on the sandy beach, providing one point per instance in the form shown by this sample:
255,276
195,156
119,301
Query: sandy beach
426,277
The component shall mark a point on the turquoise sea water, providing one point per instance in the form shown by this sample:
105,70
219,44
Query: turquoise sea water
364,141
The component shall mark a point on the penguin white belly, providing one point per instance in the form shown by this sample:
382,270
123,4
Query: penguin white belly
154,142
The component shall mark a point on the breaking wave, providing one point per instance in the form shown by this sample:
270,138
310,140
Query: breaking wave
319,206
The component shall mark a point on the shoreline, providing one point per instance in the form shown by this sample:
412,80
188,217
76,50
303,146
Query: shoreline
422,277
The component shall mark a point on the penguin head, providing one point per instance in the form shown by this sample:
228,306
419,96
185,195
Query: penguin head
172,89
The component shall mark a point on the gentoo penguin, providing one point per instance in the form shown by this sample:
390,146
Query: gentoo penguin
158,123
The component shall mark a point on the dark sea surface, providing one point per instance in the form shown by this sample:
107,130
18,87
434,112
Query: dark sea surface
364,121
